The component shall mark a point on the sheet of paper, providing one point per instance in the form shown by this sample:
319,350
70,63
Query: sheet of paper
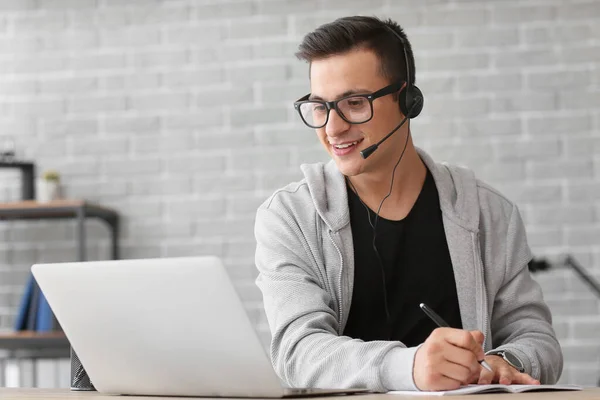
469,389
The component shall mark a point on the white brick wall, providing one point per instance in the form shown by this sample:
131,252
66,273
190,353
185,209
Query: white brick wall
178,114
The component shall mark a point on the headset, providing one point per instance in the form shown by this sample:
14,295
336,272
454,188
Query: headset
410,99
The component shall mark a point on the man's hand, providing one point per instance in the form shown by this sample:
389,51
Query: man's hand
448,359
503,373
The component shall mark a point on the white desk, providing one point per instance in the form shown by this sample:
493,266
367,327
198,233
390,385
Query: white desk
66,394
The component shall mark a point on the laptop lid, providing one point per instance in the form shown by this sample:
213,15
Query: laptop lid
171,326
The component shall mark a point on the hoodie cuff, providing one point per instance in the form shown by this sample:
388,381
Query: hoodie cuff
397,369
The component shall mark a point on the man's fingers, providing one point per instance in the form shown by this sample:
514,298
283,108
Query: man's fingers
508,376
444,383
462,357
474,378
485,377
505,376
455,372
478,337
524,379
464,339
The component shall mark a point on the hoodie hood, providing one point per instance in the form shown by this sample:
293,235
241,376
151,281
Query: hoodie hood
457,189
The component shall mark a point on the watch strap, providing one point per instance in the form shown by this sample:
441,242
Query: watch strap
503,353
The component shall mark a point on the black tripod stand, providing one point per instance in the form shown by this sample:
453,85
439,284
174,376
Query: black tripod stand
541,264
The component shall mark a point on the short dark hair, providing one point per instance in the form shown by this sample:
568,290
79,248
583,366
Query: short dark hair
348,33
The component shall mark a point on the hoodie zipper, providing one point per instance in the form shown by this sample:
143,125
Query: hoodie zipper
339,283
480,276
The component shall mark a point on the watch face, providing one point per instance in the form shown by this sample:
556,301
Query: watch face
513,360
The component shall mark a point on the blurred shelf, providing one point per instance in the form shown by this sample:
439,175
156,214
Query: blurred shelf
79,210
29,340
34,345
31,209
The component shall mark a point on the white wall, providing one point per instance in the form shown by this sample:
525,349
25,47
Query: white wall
178,114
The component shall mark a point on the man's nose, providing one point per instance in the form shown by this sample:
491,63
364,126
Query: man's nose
336,124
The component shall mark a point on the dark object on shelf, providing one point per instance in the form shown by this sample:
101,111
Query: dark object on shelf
27,177
37,343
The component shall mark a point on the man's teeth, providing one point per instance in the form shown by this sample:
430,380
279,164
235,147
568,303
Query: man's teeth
345,146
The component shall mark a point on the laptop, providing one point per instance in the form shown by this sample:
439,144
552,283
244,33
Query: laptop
167,327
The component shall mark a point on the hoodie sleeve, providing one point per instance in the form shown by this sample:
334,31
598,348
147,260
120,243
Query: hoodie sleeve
306,349
521,321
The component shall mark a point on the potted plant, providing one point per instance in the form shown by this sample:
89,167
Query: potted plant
48,187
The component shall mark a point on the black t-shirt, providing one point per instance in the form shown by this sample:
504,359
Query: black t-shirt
418,269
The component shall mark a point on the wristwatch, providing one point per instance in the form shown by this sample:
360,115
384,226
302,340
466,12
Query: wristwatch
509,357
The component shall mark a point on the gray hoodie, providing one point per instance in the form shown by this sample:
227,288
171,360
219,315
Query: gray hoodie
305,260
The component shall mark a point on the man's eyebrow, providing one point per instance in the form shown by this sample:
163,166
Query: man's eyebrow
345,94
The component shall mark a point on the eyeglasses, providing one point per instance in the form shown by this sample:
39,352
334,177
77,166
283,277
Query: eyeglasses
354,109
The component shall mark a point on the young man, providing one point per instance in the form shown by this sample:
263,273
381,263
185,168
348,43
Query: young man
347,255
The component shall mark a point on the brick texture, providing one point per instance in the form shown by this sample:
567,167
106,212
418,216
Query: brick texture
178,114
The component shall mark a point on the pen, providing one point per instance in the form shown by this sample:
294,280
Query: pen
443,324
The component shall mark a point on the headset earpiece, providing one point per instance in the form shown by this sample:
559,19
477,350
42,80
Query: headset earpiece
411,101
410,97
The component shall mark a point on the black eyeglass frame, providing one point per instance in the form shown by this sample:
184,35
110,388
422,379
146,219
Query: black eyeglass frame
394,87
